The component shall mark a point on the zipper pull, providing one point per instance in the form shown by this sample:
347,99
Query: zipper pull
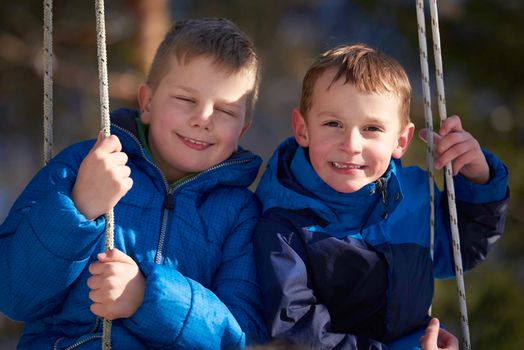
381,186
168,202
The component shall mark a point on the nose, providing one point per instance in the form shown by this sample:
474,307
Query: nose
351,141
202,117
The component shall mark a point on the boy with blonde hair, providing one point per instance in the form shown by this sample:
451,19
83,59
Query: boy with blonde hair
182,274
342,247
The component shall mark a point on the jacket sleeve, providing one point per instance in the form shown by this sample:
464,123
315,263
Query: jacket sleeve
45,243
179,312
291,309
481,211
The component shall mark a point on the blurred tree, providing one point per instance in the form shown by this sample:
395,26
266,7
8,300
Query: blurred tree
153,22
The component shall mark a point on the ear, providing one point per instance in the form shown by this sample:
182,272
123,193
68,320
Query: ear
299,126
245,128
404,138
145,94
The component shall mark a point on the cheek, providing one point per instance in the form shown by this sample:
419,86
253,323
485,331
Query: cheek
381,154
230,133
322,147
318,156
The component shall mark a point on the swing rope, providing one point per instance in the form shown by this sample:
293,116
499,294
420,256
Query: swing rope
105,126
104,110
448,169
428,116
48,80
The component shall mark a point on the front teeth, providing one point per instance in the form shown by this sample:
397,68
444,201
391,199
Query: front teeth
196,142
345,166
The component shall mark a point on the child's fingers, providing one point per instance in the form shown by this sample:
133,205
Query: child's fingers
106,256
96,268
123,172
115,255
108,144
99,138
97,309
101,310
449,155
127,183
446,340
94,282
118,158
451,124
96,296
451,140
105,293
431,335
423,134
461,161
120,172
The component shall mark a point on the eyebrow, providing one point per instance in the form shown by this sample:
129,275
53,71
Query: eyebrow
368,118
185,88
233,104
372,119
327,114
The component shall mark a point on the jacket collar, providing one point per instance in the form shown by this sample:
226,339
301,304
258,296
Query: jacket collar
290,182
239,170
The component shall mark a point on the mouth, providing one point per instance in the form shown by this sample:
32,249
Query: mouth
194,144
347,166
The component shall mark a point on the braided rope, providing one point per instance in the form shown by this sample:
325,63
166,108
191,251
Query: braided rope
459,275
105,126
428,117
48,80
448,169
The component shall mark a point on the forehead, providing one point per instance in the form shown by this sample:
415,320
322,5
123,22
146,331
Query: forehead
206,73
345,99
207,63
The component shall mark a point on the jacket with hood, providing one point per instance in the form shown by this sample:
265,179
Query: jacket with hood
354,271
192,242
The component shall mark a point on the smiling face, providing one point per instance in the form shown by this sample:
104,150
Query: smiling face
196,115
351,135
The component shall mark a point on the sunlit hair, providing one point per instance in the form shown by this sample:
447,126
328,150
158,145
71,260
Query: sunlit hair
218,38
369,70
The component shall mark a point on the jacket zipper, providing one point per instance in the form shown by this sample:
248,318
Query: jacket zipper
169,194
78,343
168,205
381,185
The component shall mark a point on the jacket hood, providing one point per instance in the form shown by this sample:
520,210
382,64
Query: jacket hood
280,187
239,170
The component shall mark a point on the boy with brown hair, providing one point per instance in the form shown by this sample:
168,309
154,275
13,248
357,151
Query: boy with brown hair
342,247
182,274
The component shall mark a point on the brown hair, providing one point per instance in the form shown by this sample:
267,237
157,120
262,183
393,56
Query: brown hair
369,70
218,38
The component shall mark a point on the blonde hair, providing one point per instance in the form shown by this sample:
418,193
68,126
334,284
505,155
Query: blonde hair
218,38
369,70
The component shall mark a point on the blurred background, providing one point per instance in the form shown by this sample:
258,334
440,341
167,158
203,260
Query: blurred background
483,52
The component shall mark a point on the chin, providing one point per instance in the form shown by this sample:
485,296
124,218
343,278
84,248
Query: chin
347,188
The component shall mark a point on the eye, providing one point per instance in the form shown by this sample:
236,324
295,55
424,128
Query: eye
333,124
226,111
184,99
373,128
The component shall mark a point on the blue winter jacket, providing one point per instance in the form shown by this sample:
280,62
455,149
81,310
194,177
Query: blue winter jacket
353,271
192,242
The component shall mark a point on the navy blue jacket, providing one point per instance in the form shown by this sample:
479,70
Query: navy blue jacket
192,241
354,271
